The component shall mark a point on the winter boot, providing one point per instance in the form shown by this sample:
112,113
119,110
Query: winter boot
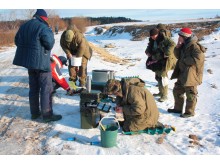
52,118
174,111
185,115
163,98
35,116
157,94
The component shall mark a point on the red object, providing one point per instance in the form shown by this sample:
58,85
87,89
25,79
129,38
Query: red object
186,32
56,73
44,18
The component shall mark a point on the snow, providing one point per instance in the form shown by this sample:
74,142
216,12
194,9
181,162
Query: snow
205,124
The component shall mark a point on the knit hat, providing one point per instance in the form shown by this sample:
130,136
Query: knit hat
185,32
112,86
69,35
154,32
41,12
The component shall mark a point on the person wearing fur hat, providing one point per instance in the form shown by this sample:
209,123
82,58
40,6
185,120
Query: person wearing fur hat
160,60
188,72
135,102
75,44
34,41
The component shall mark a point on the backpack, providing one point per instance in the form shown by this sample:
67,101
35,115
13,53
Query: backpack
165,33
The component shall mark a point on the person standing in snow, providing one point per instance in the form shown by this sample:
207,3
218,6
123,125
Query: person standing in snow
160,60
188,71
135,102
57,77
75,44
34,41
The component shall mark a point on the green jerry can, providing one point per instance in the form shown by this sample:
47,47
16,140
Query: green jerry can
90,117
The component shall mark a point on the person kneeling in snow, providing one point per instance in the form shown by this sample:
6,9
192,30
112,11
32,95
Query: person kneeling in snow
135,101
57,78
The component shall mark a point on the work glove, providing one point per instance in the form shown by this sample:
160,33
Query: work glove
70,92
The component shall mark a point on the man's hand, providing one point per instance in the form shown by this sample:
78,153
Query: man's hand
69,56
70,92
118,109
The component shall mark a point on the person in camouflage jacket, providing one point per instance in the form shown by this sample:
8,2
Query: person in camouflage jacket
160,49
75,44
188,72
135,101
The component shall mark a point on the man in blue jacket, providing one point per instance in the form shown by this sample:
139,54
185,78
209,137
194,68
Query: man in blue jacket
34,41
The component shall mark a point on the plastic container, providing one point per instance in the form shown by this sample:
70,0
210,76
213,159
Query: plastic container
109,130
76,61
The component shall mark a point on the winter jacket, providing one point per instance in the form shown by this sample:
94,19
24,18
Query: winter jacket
79,45
56,64
164,51
139,107
190,64
34,41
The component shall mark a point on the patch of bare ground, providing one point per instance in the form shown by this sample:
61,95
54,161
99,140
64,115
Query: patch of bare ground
106,56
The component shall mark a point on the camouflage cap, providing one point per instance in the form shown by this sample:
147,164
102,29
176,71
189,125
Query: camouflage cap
112,86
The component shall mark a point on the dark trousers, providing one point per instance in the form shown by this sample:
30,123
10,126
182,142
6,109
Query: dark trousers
40,84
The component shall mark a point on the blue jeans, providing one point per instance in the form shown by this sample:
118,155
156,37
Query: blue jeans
40,83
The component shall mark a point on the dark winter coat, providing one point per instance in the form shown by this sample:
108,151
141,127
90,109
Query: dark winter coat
34,41
190,64
163,53
79,45
139,107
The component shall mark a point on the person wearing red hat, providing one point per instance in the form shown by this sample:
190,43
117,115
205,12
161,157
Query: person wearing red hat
188,72
34,41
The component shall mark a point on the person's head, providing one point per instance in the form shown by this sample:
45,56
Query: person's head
69,36
63,60
112,87
184,34
161,26
154,33
42,14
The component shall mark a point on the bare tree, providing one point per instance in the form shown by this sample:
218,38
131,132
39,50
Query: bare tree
28,13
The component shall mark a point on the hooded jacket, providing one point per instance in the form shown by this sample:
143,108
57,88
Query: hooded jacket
79,45
190,64
139,107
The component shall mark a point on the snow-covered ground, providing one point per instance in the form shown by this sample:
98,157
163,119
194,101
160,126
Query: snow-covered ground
19,135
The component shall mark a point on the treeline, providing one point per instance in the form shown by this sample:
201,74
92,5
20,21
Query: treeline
109,20
8,29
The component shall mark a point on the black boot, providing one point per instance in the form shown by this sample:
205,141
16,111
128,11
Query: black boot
174,111
52,118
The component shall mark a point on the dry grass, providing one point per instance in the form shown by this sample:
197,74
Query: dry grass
106,56
7,37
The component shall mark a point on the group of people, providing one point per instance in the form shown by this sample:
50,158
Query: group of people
34,41
186,58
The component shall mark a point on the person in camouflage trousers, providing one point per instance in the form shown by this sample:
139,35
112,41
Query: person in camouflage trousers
135,101
161,50
188,71
75,44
